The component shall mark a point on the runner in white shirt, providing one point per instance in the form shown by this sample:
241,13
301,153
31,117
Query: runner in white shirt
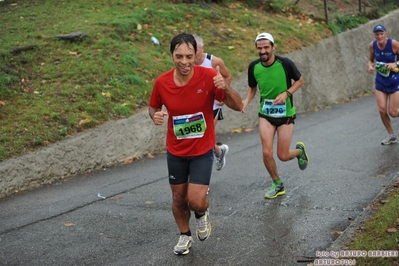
211,61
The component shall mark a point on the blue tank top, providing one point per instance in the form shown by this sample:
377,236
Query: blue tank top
389,83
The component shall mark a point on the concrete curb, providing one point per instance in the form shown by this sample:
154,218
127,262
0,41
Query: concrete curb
335,70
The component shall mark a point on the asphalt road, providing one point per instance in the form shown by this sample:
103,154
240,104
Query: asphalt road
68,223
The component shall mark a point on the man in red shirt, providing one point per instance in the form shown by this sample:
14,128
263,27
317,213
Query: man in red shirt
188,92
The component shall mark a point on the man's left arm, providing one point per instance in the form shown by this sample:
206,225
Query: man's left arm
296,85
282,97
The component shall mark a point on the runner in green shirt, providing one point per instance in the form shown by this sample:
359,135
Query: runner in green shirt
273,75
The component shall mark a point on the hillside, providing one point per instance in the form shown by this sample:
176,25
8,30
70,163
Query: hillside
51,89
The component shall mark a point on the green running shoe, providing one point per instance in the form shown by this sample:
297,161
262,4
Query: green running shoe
274,191
303,159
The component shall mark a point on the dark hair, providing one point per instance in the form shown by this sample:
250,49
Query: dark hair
183,38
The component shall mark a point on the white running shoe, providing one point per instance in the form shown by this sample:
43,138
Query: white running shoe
184,245
221,159
389,140
204,227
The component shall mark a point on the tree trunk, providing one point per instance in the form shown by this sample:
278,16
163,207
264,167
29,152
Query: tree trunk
326,9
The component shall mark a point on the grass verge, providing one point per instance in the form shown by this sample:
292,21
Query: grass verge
380,233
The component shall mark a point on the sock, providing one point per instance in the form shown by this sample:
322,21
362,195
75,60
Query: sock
220,152
197,216
300,154
277,181
188,233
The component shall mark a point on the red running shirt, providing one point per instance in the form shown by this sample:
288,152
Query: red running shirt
197,96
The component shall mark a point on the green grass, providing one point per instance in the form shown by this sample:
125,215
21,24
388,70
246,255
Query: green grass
60,88
381,232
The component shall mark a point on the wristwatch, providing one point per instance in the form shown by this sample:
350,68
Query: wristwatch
397,63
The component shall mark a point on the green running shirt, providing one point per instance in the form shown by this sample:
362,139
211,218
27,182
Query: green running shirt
273,80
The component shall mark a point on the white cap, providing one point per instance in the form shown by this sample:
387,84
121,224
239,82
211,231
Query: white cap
264,36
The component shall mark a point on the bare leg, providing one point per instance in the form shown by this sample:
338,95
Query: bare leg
382,103
393,104
180,207
196,195
284,137
185,197
267,132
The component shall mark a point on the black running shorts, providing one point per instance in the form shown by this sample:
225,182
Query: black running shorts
193,169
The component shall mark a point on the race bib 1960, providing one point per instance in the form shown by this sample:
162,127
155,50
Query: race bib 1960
189,126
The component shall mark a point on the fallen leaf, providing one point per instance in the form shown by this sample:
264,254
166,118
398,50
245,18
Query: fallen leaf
84,121
118,198
106,94
69,224
392,230
236,130
2,103
150,156
248,129
129,161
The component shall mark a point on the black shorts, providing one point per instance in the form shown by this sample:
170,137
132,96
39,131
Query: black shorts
217,113
279,121
192,169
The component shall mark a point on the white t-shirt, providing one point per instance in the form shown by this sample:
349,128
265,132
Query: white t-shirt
208,63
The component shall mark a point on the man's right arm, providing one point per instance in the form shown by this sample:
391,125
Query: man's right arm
157,115
371,58
251,92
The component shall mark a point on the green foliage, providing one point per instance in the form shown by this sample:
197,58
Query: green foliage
7,77
55,116
341,23
379,8
134,80
131,60
380,233
122,110
38,141
63,131
276,6
5,80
